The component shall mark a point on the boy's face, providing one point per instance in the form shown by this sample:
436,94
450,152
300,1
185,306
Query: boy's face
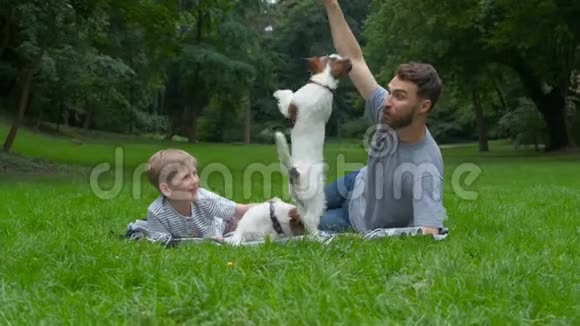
183,186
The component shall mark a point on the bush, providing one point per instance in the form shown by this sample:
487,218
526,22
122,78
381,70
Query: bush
575,128
524,125
150,123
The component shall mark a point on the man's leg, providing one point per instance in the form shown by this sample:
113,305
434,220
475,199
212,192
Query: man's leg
337,196
335,220
338,192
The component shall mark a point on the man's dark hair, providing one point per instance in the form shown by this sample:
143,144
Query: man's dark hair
425,77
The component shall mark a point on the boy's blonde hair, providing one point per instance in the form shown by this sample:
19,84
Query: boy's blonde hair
164,165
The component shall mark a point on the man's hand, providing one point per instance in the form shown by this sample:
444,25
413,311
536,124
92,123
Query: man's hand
347,46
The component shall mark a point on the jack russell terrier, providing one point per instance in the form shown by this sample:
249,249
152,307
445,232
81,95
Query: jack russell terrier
274,218
308,111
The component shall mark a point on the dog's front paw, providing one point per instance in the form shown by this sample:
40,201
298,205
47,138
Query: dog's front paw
284,97
282,94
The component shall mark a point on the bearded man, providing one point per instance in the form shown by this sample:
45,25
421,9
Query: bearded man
402,183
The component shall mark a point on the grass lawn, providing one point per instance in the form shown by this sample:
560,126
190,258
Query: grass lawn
511,257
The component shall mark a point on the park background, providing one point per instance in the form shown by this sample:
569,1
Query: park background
84,83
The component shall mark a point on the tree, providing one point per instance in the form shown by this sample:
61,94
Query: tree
531,38
40,26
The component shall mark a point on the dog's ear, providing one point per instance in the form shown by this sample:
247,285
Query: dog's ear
293,214
296,224
314,64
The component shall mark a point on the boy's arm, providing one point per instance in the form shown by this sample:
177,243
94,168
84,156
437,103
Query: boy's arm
241,209
156,230
347,45
222,207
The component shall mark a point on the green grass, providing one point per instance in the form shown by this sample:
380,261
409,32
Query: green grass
511,257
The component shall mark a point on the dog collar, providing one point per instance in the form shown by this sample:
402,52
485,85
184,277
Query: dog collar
322,85
275,222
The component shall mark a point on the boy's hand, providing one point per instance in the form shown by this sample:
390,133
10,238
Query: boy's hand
241,209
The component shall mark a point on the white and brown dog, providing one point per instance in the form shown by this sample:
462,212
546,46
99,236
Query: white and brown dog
274,219
308,111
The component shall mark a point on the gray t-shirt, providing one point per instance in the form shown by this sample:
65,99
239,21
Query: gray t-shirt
402,184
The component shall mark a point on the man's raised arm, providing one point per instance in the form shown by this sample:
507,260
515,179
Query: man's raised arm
347,45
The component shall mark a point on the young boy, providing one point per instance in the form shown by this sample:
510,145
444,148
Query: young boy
184,209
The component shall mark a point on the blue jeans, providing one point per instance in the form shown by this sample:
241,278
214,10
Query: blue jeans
338,194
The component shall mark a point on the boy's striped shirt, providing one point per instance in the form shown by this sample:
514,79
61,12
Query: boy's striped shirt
208,213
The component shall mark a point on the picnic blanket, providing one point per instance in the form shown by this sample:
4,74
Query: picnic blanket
138,230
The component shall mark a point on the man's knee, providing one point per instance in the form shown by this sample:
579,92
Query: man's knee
334,220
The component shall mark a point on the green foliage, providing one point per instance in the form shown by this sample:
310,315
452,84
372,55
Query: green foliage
355,128
128,66
470,43
524,125
150,122
222,122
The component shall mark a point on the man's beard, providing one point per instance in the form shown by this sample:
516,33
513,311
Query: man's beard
399,123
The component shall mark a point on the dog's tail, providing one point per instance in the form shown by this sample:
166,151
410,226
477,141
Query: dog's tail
283,150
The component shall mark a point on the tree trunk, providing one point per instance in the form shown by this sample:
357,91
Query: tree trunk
192,136
171,131
131,117
88,119
173,104
247,119
6,33
131,111
551,105
59,116
500,96
195,102
23,104
39,119
480,120
190,120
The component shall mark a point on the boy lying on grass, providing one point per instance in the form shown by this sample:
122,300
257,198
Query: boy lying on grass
184,209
